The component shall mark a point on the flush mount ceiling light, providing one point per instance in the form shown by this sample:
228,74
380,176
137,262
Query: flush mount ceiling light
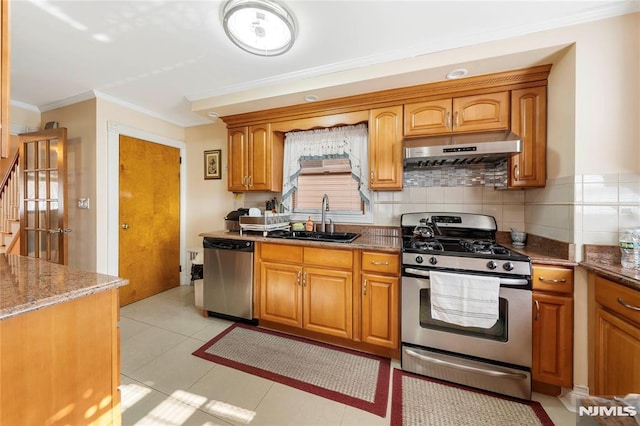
261,27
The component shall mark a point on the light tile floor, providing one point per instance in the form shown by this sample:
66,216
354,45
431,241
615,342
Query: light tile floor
163,384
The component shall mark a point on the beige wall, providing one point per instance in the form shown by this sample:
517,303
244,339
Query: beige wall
80,121
208,201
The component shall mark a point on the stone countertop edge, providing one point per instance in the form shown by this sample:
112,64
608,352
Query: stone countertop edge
28,284
366,241
605,260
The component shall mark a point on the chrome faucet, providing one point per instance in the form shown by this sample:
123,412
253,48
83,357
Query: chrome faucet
325,208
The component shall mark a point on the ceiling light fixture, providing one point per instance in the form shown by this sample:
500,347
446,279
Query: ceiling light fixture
311,98
458,73
261,27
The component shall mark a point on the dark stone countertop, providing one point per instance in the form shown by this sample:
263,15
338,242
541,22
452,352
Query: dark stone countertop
605,261
378,238
542,250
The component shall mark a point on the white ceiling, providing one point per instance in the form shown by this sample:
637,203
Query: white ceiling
171,59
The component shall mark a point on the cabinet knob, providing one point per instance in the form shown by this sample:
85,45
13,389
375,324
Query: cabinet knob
125,226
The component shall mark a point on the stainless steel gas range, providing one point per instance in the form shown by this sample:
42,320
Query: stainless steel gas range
466,303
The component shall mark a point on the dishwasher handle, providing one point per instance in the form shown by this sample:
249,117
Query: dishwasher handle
228,244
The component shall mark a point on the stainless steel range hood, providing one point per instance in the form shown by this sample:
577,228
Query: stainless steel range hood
460,149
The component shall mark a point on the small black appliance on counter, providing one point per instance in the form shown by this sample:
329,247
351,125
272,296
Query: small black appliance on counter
232,220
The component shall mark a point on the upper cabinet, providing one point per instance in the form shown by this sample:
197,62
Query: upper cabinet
513,100
255,159
529,121
488,111
385,148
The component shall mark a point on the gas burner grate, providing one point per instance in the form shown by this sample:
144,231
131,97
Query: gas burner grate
484,247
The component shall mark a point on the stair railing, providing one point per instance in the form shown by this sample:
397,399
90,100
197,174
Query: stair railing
9,198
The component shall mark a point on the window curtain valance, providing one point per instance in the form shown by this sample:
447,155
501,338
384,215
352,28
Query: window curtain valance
340,142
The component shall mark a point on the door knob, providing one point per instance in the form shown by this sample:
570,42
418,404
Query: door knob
60,231
125,226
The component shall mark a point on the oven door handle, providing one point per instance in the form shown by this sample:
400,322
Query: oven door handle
505,281
493,373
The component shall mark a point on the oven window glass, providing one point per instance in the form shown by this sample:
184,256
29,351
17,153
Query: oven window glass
498,332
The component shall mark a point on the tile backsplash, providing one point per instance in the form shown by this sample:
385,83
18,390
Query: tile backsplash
582,209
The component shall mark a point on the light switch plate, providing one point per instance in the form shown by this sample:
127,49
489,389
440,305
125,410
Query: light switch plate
83,203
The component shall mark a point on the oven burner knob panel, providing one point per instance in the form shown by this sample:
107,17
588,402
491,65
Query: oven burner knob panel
419,259
508,266
492,265
433,260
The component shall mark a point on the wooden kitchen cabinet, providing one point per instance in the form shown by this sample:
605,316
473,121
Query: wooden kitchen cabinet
552,328
60,364
385,148
528,169
615,340
380,294
255,159
307,287
483,112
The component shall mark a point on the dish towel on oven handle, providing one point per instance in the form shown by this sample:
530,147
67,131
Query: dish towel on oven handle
466,300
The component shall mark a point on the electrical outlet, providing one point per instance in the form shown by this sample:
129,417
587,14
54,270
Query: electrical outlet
83,203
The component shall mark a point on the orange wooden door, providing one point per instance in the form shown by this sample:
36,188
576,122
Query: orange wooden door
149,235
43,219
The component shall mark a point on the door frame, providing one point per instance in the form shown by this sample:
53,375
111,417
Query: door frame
108,216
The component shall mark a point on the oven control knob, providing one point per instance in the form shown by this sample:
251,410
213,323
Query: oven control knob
433,260
492,265
508,266
419,259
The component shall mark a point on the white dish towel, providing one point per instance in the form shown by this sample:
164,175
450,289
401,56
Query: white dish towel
466,300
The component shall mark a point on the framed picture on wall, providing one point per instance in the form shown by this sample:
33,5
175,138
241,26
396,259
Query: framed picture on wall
212,164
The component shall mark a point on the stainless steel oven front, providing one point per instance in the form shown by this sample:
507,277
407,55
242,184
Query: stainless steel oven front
497,359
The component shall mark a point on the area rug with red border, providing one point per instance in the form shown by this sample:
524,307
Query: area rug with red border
418,400
350,377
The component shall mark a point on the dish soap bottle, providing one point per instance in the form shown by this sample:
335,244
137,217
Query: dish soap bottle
309,225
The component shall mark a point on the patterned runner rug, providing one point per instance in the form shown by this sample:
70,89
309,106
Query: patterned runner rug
349,377
420,401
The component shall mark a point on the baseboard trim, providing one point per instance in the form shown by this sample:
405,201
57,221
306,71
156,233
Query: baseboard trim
570,397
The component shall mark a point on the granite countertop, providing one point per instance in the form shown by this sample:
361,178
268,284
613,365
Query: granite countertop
384,239
542,250
28,284
605,261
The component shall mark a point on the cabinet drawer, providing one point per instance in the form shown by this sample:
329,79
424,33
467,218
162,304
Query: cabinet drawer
384,263
328,257
281,252
554,279
618,298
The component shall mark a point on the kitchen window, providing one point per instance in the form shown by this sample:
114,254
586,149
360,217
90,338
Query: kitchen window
327,161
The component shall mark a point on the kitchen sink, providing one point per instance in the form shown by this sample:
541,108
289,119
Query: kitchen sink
331,237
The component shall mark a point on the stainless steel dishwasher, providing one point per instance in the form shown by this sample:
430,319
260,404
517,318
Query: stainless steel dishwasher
228,278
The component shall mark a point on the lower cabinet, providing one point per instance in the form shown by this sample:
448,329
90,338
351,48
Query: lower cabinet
60,364
380,294
315,290
552,327
615,338
295,291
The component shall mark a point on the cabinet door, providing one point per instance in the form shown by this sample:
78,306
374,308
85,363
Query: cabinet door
259,159
617,351
328,301
281,293
427,118
385,148
481,112
237,161
380,310
529,121
553,339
